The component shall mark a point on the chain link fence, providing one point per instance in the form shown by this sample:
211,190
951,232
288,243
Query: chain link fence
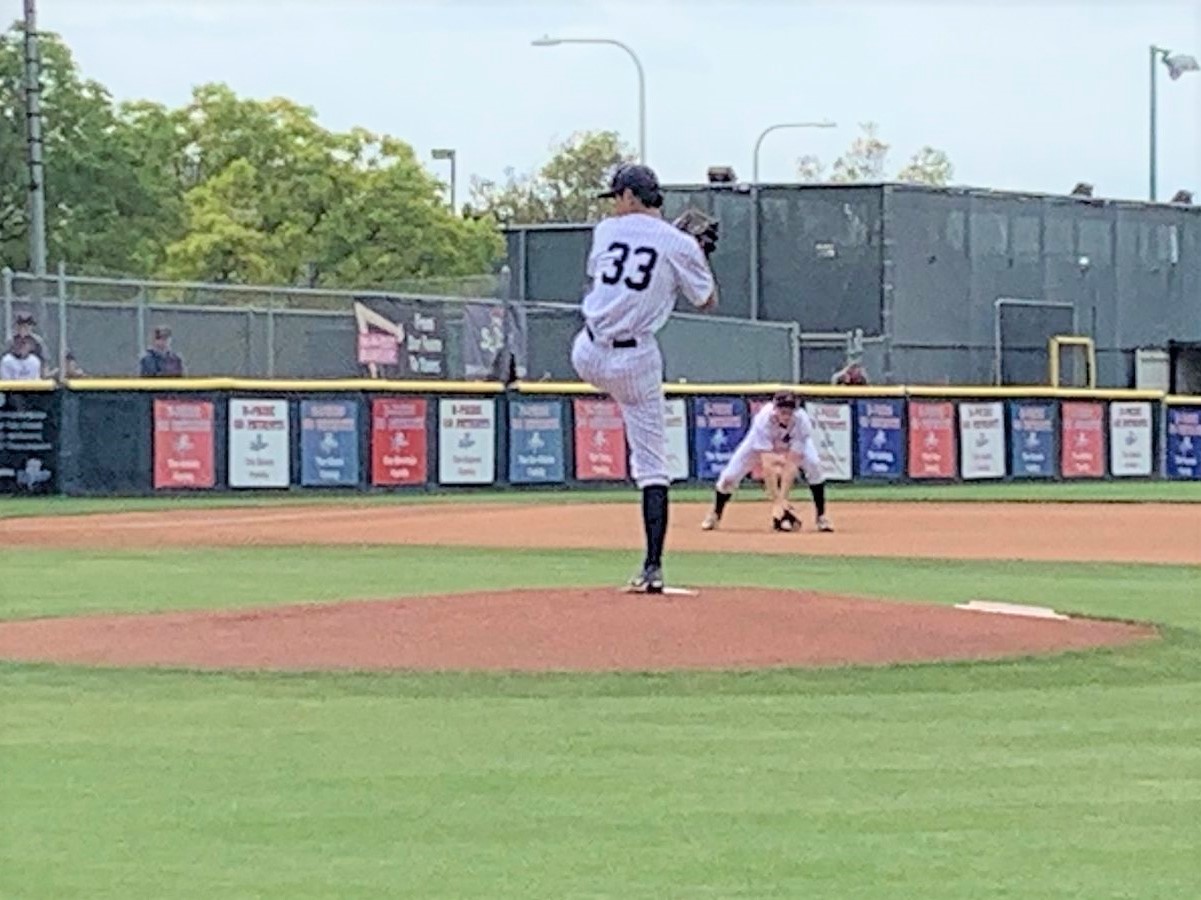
296,332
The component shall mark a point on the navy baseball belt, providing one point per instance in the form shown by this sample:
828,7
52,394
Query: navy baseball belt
622,344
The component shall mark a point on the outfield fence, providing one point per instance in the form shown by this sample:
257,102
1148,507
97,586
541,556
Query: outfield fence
119,437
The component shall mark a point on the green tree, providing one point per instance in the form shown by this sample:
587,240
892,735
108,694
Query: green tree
100,213
563,190
866,161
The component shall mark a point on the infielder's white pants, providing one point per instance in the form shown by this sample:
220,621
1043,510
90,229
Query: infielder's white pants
633,377
745,456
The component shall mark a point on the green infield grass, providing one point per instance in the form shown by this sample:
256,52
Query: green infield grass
1070,776
1010,492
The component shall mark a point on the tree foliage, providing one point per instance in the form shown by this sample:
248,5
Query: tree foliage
563,190
866,160
225,188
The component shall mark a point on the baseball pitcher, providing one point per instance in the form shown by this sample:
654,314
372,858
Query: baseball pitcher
637,265
781,438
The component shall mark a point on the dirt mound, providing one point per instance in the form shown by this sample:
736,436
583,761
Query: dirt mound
558,630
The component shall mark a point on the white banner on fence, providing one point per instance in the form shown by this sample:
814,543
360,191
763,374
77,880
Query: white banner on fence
832,434
677,439
1130,439
466,441
982,440
259,447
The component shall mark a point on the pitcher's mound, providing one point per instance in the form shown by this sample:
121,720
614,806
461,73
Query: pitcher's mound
567,630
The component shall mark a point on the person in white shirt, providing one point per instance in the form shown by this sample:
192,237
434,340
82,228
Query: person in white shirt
20,363
637,265
780,427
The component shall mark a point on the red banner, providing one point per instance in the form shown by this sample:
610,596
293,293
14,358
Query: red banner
398,442
183,444
1083,440
931,439
600,441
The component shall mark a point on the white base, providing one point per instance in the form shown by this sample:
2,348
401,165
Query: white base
667,591
1012,609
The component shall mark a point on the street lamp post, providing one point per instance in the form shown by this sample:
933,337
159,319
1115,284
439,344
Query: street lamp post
546,41
1177,64
443,153
755,279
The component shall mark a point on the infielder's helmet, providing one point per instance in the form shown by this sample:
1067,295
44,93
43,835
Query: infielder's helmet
784,400
639,179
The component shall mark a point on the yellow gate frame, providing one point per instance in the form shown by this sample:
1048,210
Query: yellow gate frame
1071,340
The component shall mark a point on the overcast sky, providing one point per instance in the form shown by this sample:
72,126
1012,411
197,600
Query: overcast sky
1022,96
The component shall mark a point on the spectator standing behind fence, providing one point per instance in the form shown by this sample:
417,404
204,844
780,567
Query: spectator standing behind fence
852,374
20,363
159,360
23,328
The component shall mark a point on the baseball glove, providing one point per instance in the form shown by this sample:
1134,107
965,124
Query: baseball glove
701,226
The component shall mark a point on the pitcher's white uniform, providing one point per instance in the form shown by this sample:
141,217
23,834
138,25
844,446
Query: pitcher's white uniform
766,435
638,263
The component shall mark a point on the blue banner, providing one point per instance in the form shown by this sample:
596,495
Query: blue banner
329,443
720,423
1184,442
536,442
880,436
1032,429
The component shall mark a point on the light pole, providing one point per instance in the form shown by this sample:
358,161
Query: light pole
546,41
755,280
442,153
1177,64
33,132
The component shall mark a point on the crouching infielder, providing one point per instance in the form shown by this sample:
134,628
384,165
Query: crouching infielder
781,439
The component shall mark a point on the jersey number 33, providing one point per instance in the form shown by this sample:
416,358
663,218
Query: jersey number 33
642,266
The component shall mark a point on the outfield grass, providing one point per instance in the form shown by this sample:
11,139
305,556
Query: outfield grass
1074,776
1011,492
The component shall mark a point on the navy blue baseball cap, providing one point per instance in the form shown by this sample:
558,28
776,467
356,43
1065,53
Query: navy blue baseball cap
642,180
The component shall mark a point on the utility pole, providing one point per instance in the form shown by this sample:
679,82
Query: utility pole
33,130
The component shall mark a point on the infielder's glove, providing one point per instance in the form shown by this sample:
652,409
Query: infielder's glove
701,226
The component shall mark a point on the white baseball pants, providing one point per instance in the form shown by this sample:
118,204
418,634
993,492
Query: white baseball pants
633,377
745,456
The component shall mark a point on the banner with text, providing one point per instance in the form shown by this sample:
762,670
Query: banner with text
400,337
931,439
1032,428
677,439
536,442
1184,442
982,440
1130,445
484,339
399,442
600,441
258,443
1082,440
28,442
183,445
329,443
467,441
881,437
720,423
832,435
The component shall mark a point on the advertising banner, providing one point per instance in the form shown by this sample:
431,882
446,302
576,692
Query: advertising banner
1082,439
600,441
183,445
329,443
1032,428
720,423
1130,445
931,439
259,443
677,439
881,437
1184,442
399,442
28,442
467,441
536,442
982,440
832,435
400,337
